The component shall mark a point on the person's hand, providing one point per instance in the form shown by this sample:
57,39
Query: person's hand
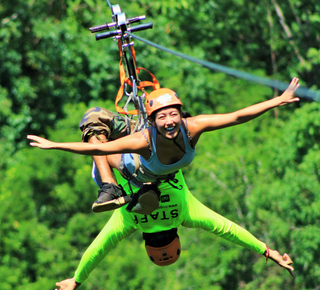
40,142
67,284
288,95
283,261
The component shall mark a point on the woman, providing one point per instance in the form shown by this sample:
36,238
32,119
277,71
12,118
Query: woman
155,153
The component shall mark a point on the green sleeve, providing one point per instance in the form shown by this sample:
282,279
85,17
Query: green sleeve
199,216
119,226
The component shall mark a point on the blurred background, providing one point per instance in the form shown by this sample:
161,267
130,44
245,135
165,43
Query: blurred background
263,175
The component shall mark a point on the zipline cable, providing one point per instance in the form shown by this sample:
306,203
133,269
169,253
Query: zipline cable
109,4
302,92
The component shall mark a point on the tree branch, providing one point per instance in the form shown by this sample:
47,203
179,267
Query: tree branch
287,30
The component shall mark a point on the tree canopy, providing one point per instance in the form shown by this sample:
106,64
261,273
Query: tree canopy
264,175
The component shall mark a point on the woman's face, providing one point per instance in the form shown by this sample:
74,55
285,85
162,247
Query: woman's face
168,121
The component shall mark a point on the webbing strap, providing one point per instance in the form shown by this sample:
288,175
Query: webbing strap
125,80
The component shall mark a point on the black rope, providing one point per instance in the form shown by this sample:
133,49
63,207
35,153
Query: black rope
169,179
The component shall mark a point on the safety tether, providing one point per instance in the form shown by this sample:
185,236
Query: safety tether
141,85
127,67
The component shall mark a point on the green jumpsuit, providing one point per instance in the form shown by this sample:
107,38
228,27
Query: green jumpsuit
177,207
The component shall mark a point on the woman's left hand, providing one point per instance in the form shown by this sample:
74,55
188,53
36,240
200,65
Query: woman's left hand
288,95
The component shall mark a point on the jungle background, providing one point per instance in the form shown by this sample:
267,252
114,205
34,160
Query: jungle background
264,175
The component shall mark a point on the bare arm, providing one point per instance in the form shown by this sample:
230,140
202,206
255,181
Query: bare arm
134,143
205,123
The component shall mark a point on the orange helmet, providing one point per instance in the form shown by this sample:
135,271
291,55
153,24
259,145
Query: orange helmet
161,98
163,248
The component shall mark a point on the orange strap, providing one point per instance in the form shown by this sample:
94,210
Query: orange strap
125,80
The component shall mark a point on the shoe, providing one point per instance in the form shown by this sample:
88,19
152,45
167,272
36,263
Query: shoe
145,201
110,197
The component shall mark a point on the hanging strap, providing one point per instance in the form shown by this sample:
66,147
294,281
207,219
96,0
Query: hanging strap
125,80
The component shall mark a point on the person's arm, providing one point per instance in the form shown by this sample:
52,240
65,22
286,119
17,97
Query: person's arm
134,143
204,123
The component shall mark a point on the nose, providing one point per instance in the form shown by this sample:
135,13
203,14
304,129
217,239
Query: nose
169,120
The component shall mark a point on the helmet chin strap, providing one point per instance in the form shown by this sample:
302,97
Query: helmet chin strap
174,140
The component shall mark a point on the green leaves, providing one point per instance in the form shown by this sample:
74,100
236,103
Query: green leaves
264,175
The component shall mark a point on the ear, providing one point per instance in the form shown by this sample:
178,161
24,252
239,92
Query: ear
151,121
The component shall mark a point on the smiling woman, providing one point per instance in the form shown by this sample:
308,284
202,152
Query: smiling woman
152,155
168,121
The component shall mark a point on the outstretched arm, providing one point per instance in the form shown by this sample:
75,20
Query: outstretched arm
205,123
134,143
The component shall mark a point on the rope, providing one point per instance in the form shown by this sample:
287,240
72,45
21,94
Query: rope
302,92
109,4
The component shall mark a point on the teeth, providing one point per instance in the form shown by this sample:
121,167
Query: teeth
170,129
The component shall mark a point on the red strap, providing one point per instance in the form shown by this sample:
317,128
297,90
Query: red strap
267,253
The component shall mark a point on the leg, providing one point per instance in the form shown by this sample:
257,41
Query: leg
99,125
110,195
102,162
199,216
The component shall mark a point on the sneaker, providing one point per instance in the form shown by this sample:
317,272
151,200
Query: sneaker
110,197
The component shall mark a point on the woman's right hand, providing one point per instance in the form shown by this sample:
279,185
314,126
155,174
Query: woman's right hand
67,284
41,142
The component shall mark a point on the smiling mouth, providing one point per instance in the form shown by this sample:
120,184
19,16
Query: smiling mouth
170,129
